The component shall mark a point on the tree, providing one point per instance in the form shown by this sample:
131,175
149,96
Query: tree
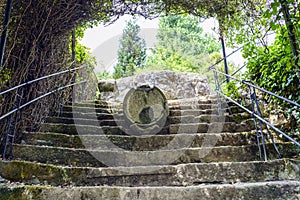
132,51
182,45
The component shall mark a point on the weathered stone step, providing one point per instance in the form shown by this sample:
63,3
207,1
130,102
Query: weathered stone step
276,190
88,109
120,157
94,108
176,117
118,120
216,127
184,102
80,121
75,129
89,115
191,128
104,104
209,118
169,155
165,175
145,143
174,110
82,107
194,112
96,103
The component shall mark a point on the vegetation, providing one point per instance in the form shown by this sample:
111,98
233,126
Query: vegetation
273,66
132,51
182,45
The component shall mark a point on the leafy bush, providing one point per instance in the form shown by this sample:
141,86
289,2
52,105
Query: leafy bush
273,68
231,90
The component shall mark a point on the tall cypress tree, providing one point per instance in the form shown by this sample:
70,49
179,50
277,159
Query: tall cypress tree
132,51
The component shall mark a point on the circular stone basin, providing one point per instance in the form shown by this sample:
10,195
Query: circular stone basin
145,106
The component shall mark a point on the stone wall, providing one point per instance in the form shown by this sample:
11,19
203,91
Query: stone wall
174,85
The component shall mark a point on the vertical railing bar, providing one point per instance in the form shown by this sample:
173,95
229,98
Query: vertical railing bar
73,46
220,111
258,136
6,136
224,57
59,105
253,95
15,124
268,131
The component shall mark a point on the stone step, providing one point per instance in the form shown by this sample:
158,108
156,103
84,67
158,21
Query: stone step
184,102
140,143
194,112
169,155
187,101
80,121
89,115
88,109
216,127
191,128
165,175
262,190
96,103
118,120
95,108
175,117
199,108
121,157
189,119
75,129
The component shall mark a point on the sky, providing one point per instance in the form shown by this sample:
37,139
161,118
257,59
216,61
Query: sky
104,40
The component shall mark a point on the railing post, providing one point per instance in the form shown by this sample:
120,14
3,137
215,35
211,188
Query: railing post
12,121
267,129
224,57
4,30
259,132
73,59
73,48
218,90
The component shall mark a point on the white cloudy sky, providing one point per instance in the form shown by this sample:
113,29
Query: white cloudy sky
104,40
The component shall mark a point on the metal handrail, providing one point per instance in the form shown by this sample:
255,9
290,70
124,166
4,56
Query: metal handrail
38,98
14,113
256,115
227,56
233,52
260,118
249,83
41,78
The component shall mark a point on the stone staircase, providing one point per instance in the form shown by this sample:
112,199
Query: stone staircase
86,153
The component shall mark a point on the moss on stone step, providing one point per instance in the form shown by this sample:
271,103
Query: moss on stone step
264,190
